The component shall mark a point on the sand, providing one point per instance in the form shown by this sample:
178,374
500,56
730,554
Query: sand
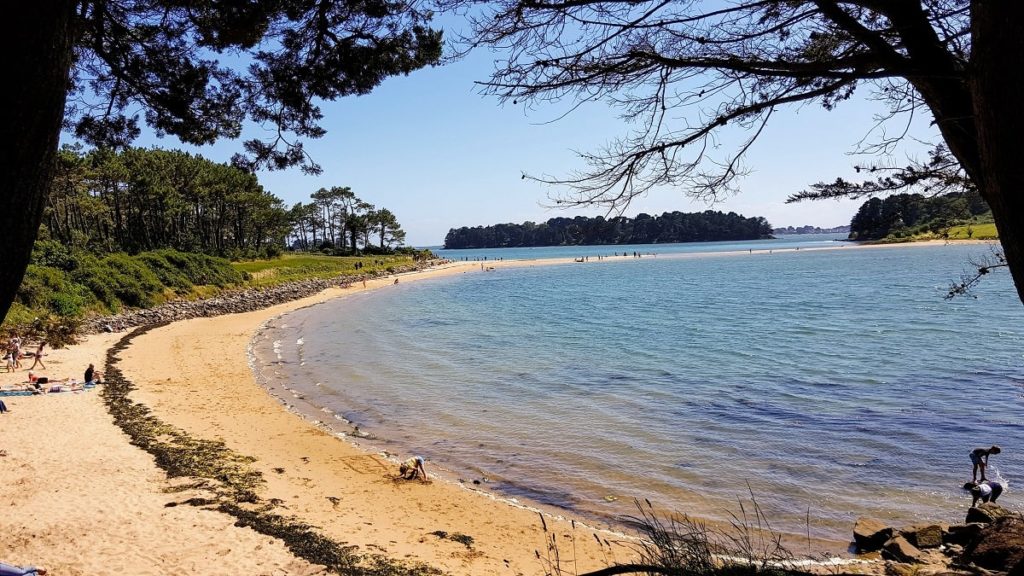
78,498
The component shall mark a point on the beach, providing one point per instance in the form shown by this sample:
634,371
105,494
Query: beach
81,499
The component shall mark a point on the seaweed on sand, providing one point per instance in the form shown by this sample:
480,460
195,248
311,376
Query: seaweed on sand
232,480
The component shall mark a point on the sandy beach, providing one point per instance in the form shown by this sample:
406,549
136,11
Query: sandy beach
79,498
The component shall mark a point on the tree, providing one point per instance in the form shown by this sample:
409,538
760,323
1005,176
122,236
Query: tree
684,71
386,224
196,70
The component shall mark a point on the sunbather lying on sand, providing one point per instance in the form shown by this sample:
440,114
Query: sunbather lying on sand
11,570
72,386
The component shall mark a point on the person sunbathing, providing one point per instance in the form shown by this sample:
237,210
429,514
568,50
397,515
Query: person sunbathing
39,383
71,385
11,570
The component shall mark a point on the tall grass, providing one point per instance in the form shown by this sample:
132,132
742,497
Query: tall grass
679,545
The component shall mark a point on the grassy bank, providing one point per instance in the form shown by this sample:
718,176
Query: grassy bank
293,267
970,231
63,287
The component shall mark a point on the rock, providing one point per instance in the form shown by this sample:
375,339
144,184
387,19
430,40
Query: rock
870,534
1000,545
900,550
953,550
229,302
962,534
924,535
986,512
897,569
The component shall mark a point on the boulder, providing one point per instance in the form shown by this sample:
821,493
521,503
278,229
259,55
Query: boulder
870,534
899,549
962,534
924,535
986,512
1000,545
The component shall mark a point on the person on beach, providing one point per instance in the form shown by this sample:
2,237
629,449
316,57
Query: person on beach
412,469
39,356
979,457
12,570
986,491
14,348
92,377
3,407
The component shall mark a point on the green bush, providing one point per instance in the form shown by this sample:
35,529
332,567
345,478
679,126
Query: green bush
66,304
94,275
169,273
53,254
133,283
202,269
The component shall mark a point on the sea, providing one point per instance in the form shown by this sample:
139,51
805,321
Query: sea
818,381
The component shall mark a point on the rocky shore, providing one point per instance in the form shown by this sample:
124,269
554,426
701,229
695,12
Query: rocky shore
231,302
990,541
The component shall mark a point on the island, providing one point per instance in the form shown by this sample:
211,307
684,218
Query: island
670,227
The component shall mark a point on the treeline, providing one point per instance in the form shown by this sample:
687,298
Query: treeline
139,200
670,227
905,215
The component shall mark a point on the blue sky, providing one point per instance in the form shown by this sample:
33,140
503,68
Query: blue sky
439,155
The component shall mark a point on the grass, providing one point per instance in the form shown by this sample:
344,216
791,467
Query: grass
289,268
967,231
677,545
986,231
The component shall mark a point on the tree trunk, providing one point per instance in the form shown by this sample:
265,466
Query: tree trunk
37,39
997,82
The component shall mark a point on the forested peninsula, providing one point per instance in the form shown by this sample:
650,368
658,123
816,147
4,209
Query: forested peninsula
904,217
670,227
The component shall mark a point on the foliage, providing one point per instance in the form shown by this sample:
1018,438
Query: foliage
342,221
180,64
138,200
67,284
291,267
669,227
199,71
982,231
910,215
677,545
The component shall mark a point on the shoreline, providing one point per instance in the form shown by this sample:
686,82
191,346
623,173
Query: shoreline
70,467
344,491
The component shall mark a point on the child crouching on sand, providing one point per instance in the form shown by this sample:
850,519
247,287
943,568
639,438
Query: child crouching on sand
412,469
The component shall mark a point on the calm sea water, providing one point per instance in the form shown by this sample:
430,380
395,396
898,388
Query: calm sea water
828,384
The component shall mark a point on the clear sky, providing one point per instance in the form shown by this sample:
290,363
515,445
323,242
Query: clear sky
439,155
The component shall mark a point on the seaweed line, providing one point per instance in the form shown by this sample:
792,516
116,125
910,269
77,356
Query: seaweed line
232,481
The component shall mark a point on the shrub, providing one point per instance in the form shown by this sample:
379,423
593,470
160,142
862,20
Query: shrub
133,283
65,304
53,254
169,274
